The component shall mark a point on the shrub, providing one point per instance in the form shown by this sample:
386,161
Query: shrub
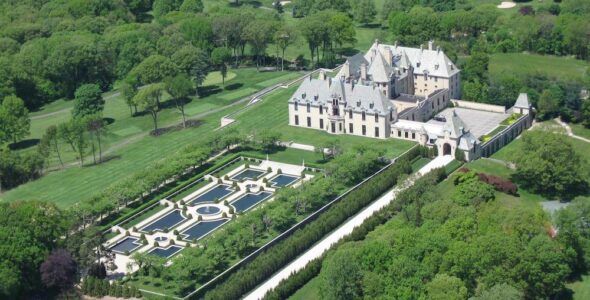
224,215
226,177
269,169
156,244
500,184
219,181
175,232
200,218
279,171
261,189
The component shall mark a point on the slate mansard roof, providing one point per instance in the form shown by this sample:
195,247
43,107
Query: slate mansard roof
356,96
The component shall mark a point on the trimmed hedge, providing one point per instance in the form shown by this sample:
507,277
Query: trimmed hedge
275,258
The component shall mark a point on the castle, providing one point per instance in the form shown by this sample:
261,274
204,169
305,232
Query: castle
394,92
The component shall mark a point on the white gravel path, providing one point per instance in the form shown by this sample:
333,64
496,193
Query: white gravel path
345,229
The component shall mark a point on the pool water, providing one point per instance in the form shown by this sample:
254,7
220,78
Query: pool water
283,180
218,192
249,200
208,210
165,252
168,221
127,244
201,229
245,174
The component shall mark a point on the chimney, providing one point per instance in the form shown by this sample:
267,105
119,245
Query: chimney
430,45
364,71
322,75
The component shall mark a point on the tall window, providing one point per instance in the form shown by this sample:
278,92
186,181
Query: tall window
376,131
308,107
296,105
321,110
413,135
376,117
406,134
399,133
322,123
350,128
308,122
364,116
296,120
364,130
350,114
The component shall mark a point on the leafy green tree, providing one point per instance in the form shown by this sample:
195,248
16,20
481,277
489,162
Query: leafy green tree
283,38
88,101
14,119
445,287
500,291
475,90
586,114
259,34
476,67
549,103
161,7
73,132
97,128
52,138
341,276
418,25
192,6
153,69
221,57
198,32
268,140
148,99
128,91
539,169
194,62
179,88
364,11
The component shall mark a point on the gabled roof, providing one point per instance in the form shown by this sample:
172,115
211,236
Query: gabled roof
357,97
522,101
467,141
455,126
379,69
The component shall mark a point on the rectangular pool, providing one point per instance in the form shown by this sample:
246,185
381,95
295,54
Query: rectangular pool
218,192
247,174
249,200
201,229
165,252
128,244
283,180
168,221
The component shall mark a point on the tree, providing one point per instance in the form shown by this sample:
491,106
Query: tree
161,7
221,57
475,91
549,103
87,101
179,87
192,6
445,287
14,119
540,170
198,31
501,291
59,270
476,67
148,99
97,128
341,276
259,33
471,191
284,37
51,136
194,62
268,139
153,69
73,132
128,91
364,11
586,114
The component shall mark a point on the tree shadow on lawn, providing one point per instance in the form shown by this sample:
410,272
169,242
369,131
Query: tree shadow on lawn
105,159
233,86
24,144
189,124
206,91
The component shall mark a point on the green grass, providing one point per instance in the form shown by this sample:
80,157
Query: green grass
419,163
310,291
291,156
580,130
581,288
272,111
523,64
241,93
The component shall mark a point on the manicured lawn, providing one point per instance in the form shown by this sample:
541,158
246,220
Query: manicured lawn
529,64
581,288
309,291
291,156
419,163
580,130
272,113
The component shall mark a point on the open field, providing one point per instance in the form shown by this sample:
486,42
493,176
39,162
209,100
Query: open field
528,64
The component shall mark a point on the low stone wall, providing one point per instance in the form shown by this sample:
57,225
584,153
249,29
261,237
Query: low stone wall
479,106
506,136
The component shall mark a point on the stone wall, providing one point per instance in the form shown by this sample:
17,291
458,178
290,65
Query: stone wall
506,136
479,106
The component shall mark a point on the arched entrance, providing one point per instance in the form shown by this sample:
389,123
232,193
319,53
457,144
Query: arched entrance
446,149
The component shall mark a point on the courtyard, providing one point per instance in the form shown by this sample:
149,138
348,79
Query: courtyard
208,204
479,122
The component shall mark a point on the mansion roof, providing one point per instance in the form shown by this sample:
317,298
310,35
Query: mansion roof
359,97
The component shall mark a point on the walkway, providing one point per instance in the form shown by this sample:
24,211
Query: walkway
345,229
569,131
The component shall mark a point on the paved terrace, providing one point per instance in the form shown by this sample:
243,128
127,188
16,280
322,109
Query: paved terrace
479,122
342,231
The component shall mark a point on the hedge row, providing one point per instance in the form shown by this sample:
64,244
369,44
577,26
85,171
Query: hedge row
292,284
275,258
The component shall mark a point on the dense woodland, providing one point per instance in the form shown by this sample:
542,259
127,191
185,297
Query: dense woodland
157,54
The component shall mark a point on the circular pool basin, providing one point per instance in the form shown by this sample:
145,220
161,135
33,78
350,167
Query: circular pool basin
208,210
161,239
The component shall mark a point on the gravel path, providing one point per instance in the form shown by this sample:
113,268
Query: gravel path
345,229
